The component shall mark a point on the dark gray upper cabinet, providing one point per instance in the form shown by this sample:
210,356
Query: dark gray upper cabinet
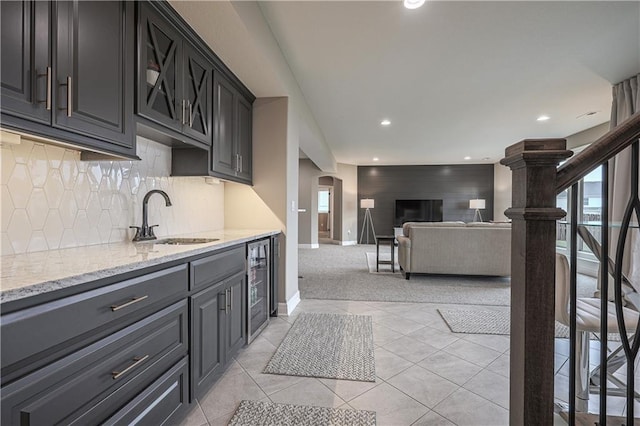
224,153
174,79
197,95
67,72
232,149
159,62
94,68
244,138
26,60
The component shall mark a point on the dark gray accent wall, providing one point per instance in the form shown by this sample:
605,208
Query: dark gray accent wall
454,184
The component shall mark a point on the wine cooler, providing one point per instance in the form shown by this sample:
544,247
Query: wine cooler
258,274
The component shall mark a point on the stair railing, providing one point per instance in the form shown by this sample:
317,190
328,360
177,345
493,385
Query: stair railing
536,181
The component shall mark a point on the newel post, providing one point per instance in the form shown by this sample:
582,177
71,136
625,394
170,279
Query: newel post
533,237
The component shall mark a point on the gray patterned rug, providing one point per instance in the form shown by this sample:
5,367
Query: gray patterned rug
252,413
327,345
475,321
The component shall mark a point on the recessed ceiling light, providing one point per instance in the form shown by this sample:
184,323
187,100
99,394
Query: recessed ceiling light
385,122
543,118
467,158
376,159
413,4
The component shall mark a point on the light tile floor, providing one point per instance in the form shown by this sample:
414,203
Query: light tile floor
426,375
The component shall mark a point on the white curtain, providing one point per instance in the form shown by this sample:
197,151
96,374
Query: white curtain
626,102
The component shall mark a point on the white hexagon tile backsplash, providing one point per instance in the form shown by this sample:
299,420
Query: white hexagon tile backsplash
50,199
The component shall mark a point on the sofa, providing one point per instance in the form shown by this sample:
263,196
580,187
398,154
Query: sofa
478,248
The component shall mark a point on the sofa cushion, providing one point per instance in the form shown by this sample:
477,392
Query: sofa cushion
488,225
407,225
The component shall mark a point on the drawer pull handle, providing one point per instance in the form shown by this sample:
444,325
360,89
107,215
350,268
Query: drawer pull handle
129,303
137,361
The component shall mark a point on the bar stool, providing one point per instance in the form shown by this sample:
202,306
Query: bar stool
588,321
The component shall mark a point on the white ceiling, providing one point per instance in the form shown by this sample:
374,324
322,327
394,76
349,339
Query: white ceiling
455,78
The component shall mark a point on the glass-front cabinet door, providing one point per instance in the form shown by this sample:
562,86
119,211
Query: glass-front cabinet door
197,95
159,84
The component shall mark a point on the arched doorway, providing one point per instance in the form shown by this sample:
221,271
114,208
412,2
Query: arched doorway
329,209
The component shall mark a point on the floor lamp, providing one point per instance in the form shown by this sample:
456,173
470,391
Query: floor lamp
367,225
477,204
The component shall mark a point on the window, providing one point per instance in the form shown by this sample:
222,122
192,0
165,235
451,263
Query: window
589,214
323,201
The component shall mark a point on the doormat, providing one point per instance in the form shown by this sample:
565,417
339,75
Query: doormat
254,413
332,346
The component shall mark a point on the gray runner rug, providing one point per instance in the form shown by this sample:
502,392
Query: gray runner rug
475,321
332,346
252,413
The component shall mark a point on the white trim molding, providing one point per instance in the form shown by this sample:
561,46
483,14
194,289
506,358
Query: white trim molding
285,309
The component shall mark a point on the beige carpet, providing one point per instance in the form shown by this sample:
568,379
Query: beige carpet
383,268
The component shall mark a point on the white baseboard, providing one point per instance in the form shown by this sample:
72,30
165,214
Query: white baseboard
285,309
348,243
309,246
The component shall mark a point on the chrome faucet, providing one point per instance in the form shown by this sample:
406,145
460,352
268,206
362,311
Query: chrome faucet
145,232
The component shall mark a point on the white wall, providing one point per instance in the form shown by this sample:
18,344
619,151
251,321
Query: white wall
502,174
51,199
501,191
271,202
349,175
308,200
308,194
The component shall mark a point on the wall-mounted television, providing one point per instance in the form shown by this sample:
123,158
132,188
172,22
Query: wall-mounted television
417,211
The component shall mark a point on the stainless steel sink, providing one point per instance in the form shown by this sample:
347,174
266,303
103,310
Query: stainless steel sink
184,241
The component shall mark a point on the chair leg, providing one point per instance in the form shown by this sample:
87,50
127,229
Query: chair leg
615,361
582,371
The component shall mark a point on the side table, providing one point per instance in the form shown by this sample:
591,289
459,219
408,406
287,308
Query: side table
386,239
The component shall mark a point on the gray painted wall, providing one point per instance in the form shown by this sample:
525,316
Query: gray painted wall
454,184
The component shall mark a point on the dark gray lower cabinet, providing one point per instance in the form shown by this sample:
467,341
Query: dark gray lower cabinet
207,311
160,403
218,327
137,349
88,386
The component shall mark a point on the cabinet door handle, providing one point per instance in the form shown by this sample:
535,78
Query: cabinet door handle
69,97
231,299
227,301
129,303
240,163
136,361
190,114
184,114
47,100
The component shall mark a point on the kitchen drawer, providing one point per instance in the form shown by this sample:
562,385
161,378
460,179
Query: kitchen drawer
88,386
212,269
32,336
159,404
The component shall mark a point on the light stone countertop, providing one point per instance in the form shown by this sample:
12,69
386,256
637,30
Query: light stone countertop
30,274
